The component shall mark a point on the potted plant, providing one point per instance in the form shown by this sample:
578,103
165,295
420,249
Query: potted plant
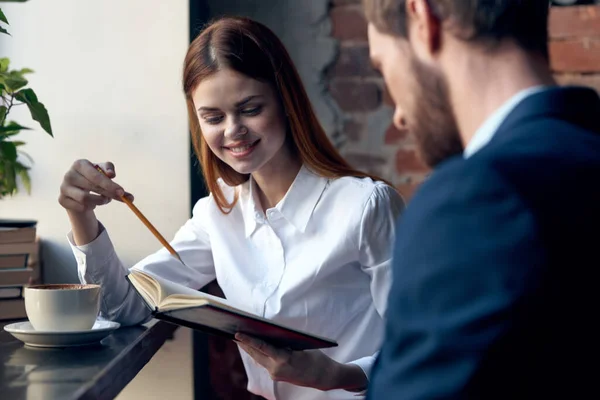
19,240
14,92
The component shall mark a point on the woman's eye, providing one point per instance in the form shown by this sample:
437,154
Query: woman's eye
213,119
252,110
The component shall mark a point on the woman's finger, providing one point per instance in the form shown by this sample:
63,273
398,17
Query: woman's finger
109,168
98,179
255,354
87,199
75,179
129,197
259,345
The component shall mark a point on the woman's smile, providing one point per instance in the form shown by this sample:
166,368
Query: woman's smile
241,149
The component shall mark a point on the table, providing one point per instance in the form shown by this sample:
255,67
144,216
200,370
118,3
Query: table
90,372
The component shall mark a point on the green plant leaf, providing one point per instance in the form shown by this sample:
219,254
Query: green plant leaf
2,30
37,109
9,134
18,143
3,191
10,178
27,96
8,151
4,63
24,71
23,172
3,17
13,80
2,112
12,127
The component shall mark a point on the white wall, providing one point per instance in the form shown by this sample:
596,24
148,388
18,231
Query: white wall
109,73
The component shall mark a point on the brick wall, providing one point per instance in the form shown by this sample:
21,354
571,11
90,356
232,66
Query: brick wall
373,144
575,45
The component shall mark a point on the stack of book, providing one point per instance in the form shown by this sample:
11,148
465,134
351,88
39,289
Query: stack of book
19,265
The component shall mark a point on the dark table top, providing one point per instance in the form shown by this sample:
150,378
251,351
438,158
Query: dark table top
89,372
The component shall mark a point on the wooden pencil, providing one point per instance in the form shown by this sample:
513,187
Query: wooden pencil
149,225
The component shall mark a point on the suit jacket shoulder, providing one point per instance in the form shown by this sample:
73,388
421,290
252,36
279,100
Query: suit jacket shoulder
494,291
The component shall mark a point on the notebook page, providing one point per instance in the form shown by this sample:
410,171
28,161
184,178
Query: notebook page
170,288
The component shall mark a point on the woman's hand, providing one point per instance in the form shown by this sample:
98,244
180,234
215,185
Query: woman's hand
310,368
84,187
82,190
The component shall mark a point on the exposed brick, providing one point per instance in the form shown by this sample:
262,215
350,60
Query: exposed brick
348,23
408,161
576,21
355,95
362,158
353,129
592,80
581,55
366,162
353,61
407,190
393,135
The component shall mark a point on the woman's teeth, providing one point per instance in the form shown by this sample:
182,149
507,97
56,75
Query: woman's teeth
240,149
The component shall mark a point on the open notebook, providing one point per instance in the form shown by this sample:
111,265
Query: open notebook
183,306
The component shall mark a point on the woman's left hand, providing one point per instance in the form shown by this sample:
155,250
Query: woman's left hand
310,368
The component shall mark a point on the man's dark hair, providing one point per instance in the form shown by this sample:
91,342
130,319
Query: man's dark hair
484,21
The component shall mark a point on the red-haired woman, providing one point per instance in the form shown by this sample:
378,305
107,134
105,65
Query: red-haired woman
290,231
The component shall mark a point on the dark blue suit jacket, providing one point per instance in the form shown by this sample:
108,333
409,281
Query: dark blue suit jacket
495,292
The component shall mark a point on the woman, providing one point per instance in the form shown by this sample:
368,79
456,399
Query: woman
290,231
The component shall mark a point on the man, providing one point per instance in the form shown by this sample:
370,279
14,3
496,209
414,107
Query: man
494,292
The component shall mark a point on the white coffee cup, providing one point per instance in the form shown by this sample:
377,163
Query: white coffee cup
63,307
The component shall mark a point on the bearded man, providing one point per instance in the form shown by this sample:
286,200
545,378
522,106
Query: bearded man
494,276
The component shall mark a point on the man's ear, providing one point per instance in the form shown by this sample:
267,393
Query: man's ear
424,29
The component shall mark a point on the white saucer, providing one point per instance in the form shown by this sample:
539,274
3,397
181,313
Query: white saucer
25,333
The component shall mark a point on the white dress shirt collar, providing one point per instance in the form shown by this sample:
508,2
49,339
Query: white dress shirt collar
488,129
296,206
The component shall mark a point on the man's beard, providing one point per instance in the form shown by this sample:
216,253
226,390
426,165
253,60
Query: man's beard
432,121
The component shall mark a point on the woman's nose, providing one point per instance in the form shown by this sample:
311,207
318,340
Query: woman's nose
234,129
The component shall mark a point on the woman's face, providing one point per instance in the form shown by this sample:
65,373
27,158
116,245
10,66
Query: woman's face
242,121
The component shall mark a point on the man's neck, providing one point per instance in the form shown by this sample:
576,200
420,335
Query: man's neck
481,82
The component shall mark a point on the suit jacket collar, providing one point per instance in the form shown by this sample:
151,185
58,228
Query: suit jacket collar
577,105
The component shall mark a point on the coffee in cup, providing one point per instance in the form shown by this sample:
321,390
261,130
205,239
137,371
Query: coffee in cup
62,307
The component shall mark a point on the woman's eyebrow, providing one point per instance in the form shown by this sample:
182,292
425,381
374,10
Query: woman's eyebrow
238,104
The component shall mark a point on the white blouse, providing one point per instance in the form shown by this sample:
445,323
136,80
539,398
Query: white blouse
319,261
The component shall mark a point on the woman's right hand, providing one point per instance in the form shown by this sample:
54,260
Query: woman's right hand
84,187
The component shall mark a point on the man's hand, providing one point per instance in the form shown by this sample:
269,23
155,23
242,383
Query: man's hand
310,368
